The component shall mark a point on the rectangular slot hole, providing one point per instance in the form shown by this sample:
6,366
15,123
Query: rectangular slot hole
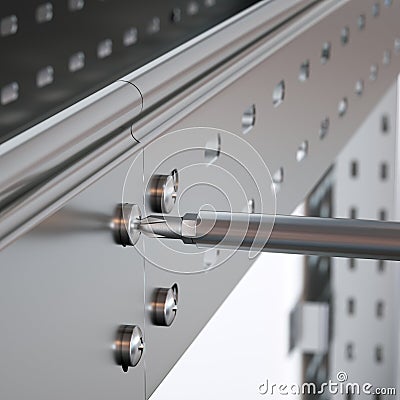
350,351
279,94
130,37
354,169
8,25
380,309
9,93
385,124
249,119
351,306
45,76
381,266
383,214
379,354
104,48
384,171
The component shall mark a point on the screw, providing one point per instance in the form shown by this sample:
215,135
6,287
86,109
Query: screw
165,306
126,220
129,346
162,192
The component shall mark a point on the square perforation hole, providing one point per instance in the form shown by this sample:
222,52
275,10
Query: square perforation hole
376,10
361,22
345,35
76,61
342,107
380,309
277,179
349,351
385,124
44,13
379,354
9,93
9,25
45,76
302,151
397,45
351,306
212,149
353,213
387,57
381,266
304,73
352,264
324,128
193,8
373,72
176,15
130,37
104,48
354,170
382,215
249,119
76,5
278,94
154,26
384,171
359,87
326,52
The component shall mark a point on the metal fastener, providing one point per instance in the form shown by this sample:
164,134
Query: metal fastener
129,346
126,220
165,306
162,192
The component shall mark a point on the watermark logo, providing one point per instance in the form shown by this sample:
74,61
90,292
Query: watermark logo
339,386
342,376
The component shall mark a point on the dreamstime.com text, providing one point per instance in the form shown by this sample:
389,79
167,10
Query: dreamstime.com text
340,386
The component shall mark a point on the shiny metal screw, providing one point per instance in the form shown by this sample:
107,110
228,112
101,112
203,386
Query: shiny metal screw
162,192
129,346
125,222
165,306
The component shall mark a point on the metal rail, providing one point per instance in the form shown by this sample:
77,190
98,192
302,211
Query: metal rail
66,153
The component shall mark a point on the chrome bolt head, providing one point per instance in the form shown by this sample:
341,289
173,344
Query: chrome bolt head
125,224
162,192
165,306
129,346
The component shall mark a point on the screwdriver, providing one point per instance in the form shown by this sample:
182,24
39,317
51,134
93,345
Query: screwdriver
333,237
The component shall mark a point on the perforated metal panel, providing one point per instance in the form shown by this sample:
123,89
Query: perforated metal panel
57,52
364,291
297,96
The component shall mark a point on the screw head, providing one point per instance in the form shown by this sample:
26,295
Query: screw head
162,192
129,346
125,223
165,306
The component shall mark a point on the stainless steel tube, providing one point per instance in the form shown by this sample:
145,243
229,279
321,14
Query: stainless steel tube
285,234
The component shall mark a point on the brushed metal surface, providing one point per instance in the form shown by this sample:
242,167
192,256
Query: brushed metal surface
277,134
86,155
214,101
108,40
65,288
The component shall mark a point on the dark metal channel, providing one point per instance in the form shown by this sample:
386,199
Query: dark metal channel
53,57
